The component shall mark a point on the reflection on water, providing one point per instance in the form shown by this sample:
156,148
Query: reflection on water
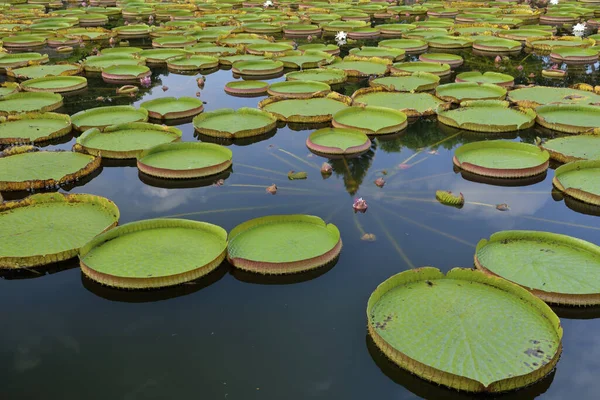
295,337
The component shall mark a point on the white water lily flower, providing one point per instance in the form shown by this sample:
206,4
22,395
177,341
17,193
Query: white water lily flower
578,29
554,2
341,36
268,3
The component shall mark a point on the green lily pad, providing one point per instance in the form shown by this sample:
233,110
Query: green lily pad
41,169
449,42
101,117
117,73
34,128
55,84
98,63
557,268
229,60
271,47
569,118
328,76
29,101
316,109
572,148
574,55
538,95
459,92
452,60
370,119
192,62
492,44
280,244
42,230
17,60
184,160
487,77
580,180
210,49
487,116
501,159
327,48
391,53
126,140
412,104
23,41
172,107
257,67
439,69
160,56
358,67
305,59
298,89
154,253
465,348
408,45
122,50
41,71
173,41
523,34
232,124
417,81
338,141
550,44
246,88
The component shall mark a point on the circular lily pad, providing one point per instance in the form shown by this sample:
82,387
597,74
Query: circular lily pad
262,48
229,60
501,159
122,50
118,73
408,45
412,104
99,63
23,41
246,88
464,348
356,66
55,84
449,42
257,68
338,142
176,41
393,54
370,119
101,117
192,62
571,148
487,116
298,89
580,180
492,44
17,60
184,160
172,107
154,253
327,48
452,60
487,77
314,110
556,268
569,118
420,66
417,82
282,244
160,56
34,128
574,55
40,71
29,101
125,140
42,230
27,169
459,92
232,124
538,95
305,59
328,76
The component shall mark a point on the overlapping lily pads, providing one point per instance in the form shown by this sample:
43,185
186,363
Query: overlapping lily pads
538,95
371,119
328,76
464,91
29,101
439,69
416,81
313,110
101,117
412,104
496,78
488,116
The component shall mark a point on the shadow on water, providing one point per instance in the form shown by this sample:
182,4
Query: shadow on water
431,391
38,272
183,183
285,279
237,142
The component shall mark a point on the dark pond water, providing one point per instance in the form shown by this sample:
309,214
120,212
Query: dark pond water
234,335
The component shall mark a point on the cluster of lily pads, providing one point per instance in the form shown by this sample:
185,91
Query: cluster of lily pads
407,76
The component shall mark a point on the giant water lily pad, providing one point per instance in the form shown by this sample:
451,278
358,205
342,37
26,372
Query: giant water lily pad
229,60
257,67
98,63
458,92
573,148
574,55
34,127
298,89
417,82
43,228
357,66
569,118
154,253
408,45
101,117
466,342
281,244
492,44
452,60
487,77
262,48
439,69
557,268
240,123
412,104
328,76
55,84
172,107
370,119
176,41
580,180
192,62
160,56
501,159
184,160
393,54
17,60
28,101
338,141
125,140
449,42
119,73
306,59
246,88
488,116
40,71
538,95
25,168
23,41
316,109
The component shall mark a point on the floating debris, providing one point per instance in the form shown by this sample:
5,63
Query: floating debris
360,205
272,189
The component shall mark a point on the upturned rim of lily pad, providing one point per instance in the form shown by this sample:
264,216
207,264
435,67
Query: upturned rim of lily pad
334,96
248,88
39,116
444,92
571,55
275,268
352,70
551,297
55,101
429,275
290,89
506,173
564,157
411,112
145,165
503,79
17,73
319,149
257,67
119,73
77,83
125,282
337,75
452,60
204,62
141,112
445,116
434,79
577,193
545,111
442,70
400,124
196,106
45,198
269,125
37,58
